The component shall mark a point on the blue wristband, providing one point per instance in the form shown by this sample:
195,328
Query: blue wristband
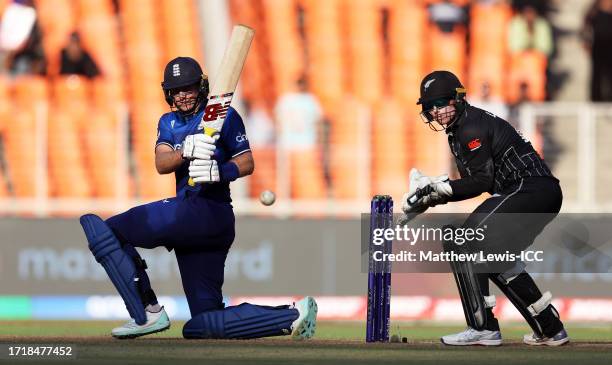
229,171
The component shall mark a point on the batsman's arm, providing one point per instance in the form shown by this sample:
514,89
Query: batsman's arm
245,163
167,160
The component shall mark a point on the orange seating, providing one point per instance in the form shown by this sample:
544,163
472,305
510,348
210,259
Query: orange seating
307,181
67,173
283,39
488,27
325,53
365,50
407,32
151,185
5,102
180,34
5,109
100,35
264,176
431,149
448,51
3,187
489,69
527,68
107,94
488,49
345,149
101,152
458,2
57,20
257,77
28,90
391,157
144,128
21,159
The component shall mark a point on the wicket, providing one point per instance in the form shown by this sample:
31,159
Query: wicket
379,273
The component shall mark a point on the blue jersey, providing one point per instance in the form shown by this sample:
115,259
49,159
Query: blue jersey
172,130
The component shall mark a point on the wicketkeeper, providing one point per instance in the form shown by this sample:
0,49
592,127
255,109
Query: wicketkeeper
492,157
198,224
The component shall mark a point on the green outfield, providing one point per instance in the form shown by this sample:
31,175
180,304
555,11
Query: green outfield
336,342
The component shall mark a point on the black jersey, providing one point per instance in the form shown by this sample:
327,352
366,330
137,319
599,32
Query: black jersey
490,154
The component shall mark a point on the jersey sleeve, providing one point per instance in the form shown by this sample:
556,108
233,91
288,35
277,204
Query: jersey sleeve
475,152
164,135
234,135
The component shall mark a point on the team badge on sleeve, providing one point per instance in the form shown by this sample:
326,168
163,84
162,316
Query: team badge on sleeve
474,144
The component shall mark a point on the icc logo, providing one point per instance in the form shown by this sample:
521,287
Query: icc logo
241,138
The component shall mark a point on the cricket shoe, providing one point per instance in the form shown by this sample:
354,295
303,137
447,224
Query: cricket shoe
559,339
473,337
304,326
156,322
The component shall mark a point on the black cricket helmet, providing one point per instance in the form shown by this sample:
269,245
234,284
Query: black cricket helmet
182,72
437,90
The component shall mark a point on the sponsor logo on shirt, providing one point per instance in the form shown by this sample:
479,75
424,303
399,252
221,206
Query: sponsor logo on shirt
474,144
241,138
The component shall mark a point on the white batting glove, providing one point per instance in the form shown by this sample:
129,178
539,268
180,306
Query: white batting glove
198,146
204,171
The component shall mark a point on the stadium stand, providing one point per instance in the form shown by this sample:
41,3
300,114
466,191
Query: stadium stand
353,54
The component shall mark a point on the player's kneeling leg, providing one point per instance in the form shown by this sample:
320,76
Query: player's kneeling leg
246,321
122,271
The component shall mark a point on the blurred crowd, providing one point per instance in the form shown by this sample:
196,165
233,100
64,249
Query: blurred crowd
299,74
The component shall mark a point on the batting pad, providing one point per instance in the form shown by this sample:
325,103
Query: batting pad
242,322
118,265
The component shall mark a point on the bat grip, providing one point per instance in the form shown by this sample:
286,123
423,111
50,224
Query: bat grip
419,193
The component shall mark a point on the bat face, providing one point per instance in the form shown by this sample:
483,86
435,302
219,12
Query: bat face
216,110
225,83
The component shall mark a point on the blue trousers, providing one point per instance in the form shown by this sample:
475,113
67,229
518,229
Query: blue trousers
201,232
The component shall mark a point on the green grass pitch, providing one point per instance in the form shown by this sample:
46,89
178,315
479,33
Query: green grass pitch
335,343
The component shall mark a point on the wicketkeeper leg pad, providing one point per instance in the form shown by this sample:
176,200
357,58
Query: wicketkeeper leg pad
118,265
242,322
534,306
468,285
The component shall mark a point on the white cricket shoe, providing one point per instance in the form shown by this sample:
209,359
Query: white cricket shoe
156,322
557,340
473,337
304,326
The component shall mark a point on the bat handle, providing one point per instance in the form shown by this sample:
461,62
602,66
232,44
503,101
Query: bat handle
419,193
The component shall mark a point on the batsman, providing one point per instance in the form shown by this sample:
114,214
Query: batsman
198,224
492,157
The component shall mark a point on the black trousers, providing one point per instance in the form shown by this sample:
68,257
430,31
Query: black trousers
513,220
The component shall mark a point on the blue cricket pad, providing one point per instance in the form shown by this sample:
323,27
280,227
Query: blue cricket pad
118,265
241,322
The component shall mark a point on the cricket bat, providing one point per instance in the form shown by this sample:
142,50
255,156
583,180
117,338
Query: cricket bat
225,82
